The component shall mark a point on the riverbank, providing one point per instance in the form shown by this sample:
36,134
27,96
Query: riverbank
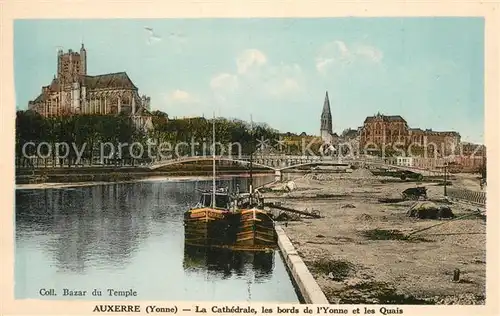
357,251
164,177
97,175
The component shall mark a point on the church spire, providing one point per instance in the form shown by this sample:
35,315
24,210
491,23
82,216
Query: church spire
326,116
326,105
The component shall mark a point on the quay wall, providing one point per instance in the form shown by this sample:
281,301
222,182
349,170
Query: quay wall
309,289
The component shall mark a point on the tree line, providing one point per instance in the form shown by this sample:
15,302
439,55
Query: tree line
79,139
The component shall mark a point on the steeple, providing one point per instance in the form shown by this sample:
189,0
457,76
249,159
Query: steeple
326,105
326,117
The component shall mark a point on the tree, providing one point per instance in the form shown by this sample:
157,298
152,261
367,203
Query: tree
86,131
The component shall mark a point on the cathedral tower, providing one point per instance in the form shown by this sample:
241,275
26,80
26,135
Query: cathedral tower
71,65
59,63
83,61
326,121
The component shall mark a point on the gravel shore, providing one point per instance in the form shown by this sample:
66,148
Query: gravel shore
359,251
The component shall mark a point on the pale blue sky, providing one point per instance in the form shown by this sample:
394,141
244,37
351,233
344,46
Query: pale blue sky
429,70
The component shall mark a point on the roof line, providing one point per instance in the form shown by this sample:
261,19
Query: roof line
107,74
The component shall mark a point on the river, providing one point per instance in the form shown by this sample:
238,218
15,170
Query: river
130,236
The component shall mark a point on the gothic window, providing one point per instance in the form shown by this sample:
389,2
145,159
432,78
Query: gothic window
126,99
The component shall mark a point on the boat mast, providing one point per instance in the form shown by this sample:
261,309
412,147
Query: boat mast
213,162
251,155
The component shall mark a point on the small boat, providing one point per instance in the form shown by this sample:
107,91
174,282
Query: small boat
256,229
211,222
223,220
256,226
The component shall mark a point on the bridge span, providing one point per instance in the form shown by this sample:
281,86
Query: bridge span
280,163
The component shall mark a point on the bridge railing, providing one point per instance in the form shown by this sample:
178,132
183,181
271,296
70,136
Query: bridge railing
287,157
260,157
475,197
255,157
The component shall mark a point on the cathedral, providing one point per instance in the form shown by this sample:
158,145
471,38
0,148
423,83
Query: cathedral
73,91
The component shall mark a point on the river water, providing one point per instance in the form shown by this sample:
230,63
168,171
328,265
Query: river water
130,236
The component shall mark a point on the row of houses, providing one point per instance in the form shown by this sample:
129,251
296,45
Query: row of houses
384,134
455,163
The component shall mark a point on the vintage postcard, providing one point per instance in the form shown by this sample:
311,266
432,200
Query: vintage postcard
209,159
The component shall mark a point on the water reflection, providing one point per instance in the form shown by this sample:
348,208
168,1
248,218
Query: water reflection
122,236
225,263
102,224
89,224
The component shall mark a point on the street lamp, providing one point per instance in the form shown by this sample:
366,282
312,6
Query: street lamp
445,178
